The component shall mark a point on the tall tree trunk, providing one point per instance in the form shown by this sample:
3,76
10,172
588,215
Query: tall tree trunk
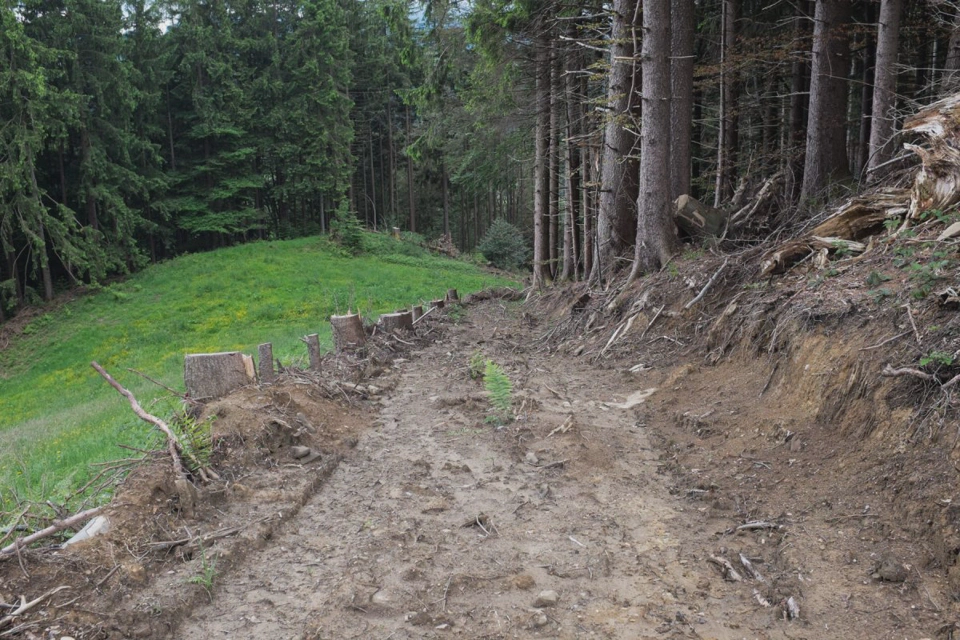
616,223
571,232
589,211
826,156
866,91
884,121
729,124
391,165
541,194
556,125
681,99
950,81
446,199
373,183
799,101
410,196
655,231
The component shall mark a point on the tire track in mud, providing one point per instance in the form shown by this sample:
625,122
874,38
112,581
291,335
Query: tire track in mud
440,524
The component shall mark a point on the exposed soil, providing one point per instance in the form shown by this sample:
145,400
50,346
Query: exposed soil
606,509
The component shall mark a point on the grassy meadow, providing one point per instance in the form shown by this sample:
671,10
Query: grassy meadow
57,415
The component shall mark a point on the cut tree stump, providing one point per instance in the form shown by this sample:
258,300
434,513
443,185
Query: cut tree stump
438,304
401,321
697,219
265,356
348,333
313,348
416,311
208,376
452,295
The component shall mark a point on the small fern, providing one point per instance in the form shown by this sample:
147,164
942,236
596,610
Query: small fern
477,365
500,388
195,436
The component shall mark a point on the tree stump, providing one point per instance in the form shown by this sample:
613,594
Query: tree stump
208,376
416,311
401,321
348,332
697,219
439,304
452,295
313,348
265,355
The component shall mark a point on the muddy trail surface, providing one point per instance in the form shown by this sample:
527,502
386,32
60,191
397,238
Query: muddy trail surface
667,502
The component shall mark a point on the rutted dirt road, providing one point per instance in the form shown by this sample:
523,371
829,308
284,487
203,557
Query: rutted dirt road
439,524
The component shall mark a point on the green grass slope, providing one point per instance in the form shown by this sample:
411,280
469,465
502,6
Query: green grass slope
57,415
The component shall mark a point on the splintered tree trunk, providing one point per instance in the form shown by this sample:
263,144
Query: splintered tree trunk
265,356
937,184
400,321
208,376
681,99
313,350
729,120
655,231
884,121
826,157
616,219
348,334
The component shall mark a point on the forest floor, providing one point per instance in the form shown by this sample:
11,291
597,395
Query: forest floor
668,500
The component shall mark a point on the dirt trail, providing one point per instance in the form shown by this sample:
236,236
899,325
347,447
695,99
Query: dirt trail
439,524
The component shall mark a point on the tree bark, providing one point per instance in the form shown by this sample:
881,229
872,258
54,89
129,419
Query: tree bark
556,126
884,120
401,321
681,99
208,376
541,198
571,230
656,238
313,351
729,118
348,333
265,362
446,199
799,101
411,200
826,155
616,219
866,92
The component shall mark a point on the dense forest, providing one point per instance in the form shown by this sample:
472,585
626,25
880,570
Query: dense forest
131,132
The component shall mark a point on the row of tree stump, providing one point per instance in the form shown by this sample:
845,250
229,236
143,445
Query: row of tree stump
208,376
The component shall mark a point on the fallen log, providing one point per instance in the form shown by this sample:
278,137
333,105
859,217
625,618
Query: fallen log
56,527
697,219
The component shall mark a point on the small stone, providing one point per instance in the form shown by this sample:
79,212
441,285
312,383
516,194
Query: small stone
531,458
547,598
795,445
299,452
890,569
540,620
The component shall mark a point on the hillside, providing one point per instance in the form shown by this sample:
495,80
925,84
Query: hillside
57,416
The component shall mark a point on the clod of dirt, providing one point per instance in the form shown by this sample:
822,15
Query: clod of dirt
890,569
531,458
548,598
523,581
299,452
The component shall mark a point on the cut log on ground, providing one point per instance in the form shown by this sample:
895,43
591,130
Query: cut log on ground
402,321
265,355
697,219
208,376
313,349
855,220
348,333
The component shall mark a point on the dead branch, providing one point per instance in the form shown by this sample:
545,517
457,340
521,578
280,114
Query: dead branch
183,397
707,286
887,341
207,537
890,372
729,573
26,606
429,311
913,324
173,444
66,523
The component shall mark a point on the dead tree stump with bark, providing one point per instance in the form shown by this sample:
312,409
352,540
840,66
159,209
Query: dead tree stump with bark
208,376
313,348
400,321
348,333
437,304
265,364
416,311
452,295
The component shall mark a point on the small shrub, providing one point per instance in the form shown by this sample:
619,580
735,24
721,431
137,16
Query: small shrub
477,365
503,246
937,357
346,230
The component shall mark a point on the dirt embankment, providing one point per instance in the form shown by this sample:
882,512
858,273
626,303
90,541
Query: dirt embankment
738,469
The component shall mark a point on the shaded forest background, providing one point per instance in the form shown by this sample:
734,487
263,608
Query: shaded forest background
131,132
